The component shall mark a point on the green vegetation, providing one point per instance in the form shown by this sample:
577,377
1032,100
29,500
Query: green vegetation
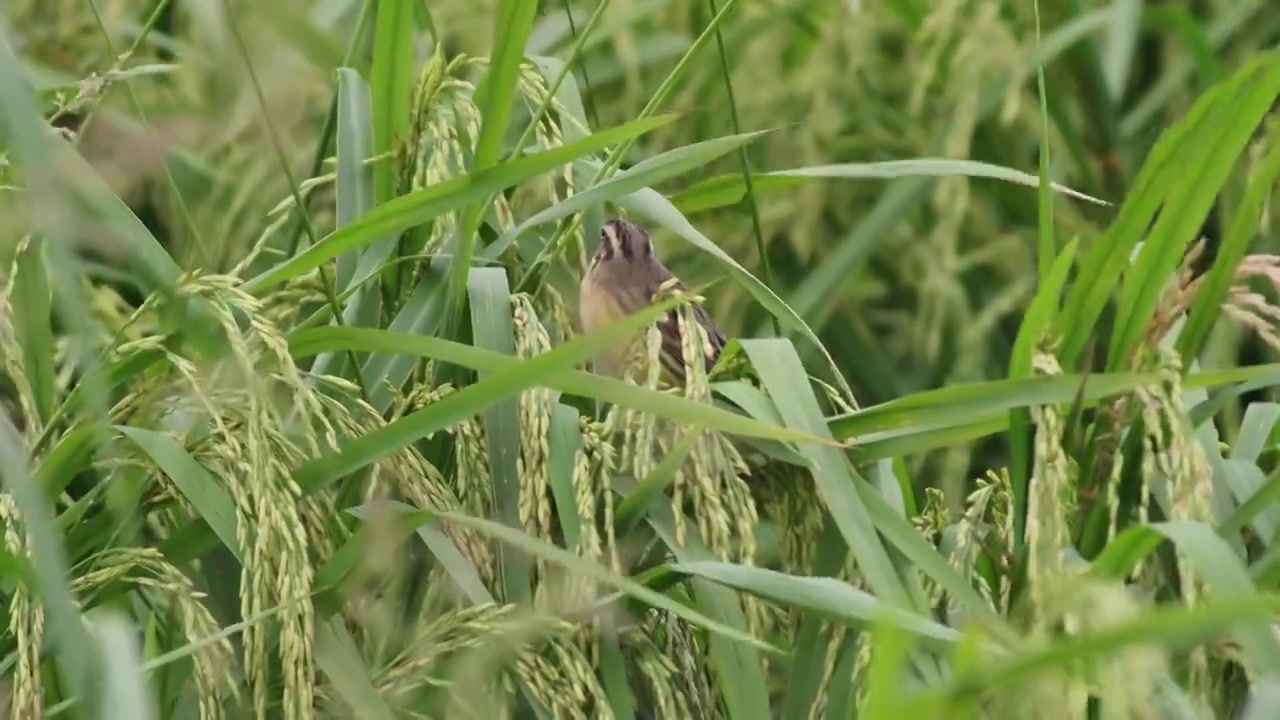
297,424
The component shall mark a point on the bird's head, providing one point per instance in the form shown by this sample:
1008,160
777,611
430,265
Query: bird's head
623,242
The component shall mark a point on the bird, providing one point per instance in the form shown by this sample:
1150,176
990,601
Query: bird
623,278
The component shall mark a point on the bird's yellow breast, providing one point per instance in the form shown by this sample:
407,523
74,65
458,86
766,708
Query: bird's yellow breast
598,306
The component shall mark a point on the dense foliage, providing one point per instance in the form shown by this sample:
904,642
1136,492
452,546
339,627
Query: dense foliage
298,418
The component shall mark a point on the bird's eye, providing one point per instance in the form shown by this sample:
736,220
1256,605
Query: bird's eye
605,250
613,240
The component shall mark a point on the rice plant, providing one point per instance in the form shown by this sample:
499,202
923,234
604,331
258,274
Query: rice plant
299,420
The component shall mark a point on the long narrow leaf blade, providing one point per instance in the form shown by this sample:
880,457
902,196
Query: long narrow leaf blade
419,207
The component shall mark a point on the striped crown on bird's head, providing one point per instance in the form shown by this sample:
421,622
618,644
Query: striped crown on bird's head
623,240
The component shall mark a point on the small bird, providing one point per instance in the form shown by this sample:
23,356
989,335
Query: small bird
623,279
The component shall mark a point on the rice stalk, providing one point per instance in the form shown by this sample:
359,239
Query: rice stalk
1050,501
26,622
534,409
147,569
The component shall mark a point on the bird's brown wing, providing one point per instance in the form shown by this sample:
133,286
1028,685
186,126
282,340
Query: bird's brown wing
672,346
